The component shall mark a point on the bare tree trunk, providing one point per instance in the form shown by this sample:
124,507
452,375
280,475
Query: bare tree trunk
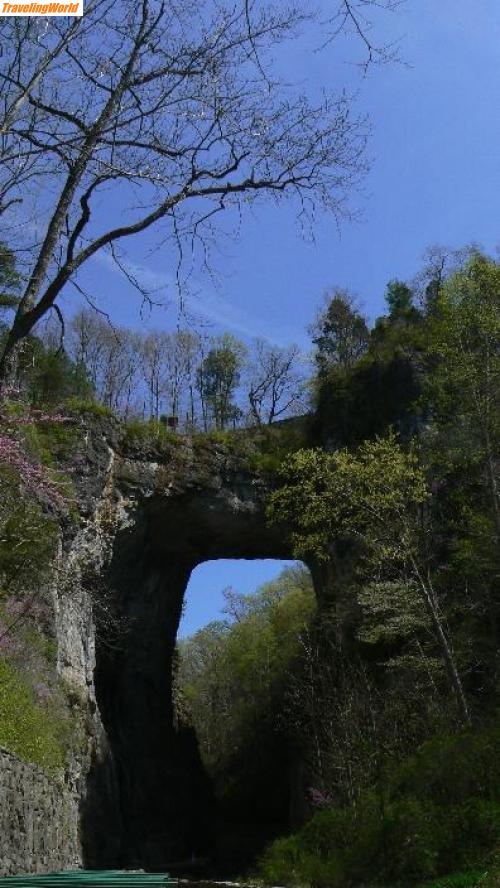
191,405
428,598
13,109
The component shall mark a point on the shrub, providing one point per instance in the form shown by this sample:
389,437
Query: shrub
452,768
491,878
149,434
440,811
81,406
28,729
267,463
282,862
27,535
460,880
52,442
333,848
234,441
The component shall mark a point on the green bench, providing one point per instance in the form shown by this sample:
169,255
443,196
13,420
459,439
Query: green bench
90,878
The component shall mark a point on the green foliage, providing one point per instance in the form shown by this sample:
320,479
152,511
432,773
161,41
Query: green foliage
379,392
218,378
52,442
230,680
463,388
27,536
263,448
473,879
439,810
53,377
234,441
341,335
149,434
272,443
27,729
48,377
379,385
399,299
287,862
334,849
34,719
386,843
82,406
370,495
268,463
391,611
452,768
491,879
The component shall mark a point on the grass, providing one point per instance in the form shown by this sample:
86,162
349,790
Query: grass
459,880
28,729
81,406
149,434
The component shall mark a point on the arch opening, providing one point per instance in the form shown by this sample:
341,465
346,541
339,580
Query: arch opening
239,636
157,772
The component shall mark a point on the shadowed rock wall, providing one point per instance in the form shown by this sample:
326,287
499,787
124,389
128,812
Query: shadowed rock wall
147,515
213,508
38,819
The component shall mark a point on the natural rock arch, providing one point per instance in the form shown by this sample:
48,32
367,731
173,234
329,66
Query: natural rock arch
212,507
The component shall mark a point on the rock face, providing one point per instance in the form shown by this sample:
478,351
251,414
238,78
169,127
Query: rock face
38,819
191,507
148,515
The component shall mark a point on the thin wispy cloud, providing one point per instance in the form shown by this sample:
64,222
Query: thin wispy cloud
199,301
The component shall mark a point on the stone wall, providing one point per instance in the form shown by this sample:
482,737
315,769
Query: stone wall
38,820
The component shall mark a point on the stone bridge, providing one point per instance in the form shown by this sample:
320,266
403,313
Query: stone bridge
160,512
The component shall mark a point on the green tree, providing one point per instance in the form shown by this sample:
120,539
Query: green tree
218,379
340,333
463,386
377,499
399,299
398,332
231,680
53,376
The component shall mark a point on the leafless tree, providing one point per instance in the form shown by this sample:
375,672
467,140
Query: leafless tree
183,356
357,16
277,385
29,49
176,108
109,356
153,352
120,367
85,344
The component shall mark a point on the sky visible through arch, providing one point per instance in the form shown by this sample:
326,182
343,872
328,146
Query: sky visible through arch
204,599
434,179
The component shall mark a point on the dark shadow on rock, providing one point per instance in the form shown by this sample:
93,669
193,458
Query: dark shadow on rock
100,817
163,797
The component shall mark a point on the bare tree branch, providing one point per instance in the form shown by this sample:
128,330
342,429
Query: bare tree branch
357,16
174,105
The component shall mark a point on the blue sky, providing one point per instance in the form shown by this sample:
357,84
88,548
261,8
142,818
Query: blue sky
435,178
204,599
